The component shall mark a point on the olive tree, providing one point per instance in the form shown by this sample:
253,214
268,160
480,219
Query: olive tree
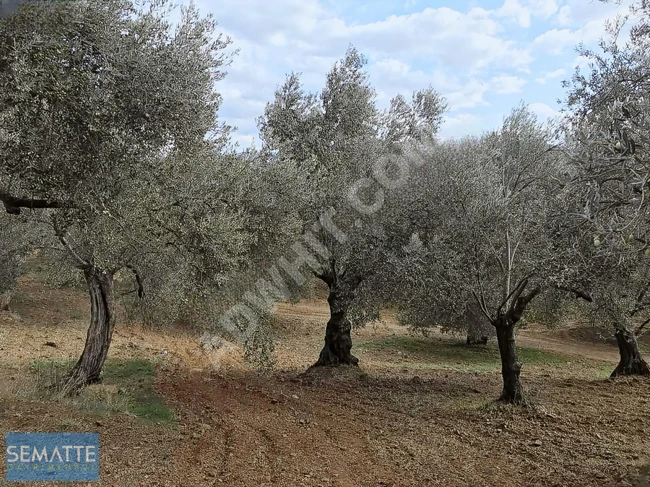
606,127
481,211
104,108
252,206
342,141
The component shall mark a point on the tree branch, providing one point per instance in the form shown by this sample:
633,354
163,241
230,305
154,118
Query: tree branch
521,302
482,306
13,205
82,263
579,294
138,280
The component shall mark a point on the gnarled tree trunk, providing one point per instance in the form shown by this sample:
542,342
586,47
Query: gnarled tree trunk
510,367
631,362
89,367
504,322
338,341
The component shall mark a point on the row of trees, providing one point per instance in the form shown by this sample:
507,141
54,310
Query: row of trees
113,161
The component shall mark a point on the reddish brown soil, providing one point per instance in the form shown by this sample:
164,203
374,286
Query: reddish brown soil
376,426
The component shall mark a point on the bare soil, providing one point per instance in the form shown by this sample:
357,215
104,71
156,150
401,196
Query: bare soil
394,421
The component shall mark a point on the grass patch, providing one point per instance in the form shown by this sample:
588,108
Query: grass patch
455,355
127,386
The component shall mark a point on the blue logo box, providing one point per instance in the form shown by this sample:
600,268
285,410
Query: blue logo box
65,457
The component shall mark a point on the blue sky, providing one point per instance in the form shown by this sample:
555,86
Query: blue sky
484,57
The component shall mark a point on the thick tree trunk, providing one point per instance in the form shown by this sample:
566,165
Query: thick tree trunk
510,367
338,341
631,362
88,369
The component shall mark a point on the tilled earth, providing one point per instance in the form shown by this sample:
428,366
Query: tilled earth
374,426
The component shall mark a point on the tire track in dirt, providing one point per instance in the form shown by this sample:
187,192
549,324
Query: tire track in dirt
260,435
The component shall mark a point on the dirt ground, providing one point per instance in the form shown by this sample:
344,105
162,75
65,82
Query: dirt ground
395,421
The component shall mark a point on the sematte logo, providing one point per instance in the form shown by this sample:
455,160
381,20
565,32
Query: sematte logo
64,457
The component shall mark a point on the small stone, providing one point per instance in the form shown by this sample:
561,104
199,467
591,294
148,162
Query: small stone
50,344
295,397
536,443
302,421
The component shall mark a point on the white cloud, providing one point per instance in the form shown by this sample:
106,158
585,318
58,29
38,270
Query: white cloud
543,8
461,123
556,41
579,21
514,10
579,12
505,84
469,56
543,111
525,10
392,77
558,73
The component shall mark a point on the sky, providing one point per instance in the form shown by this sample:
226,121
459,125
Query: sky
484,57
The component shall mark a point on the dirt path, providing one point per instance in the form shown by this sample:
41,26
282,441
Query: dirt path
308,316
593,351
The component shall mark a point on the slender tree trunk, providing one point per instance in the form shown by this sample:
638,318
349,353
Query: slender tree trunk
5,299
510,367
88,369
631,362
473,339
338,341
478,328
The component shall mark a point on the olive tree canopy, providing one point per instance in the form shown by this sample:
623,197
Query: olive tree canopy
342,141
108,113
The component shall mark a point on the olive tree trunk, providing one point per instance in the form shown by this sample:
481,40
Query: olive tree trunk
474,339
505,321
510,367
631,362
338,341
5,299
88,369
478,328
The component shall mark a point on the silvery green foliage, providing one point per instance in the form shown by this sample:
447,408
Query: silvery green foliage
240,217
620,294
607,129
336,139
108,115
93,93
607,122
418,120
109,112
481,210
